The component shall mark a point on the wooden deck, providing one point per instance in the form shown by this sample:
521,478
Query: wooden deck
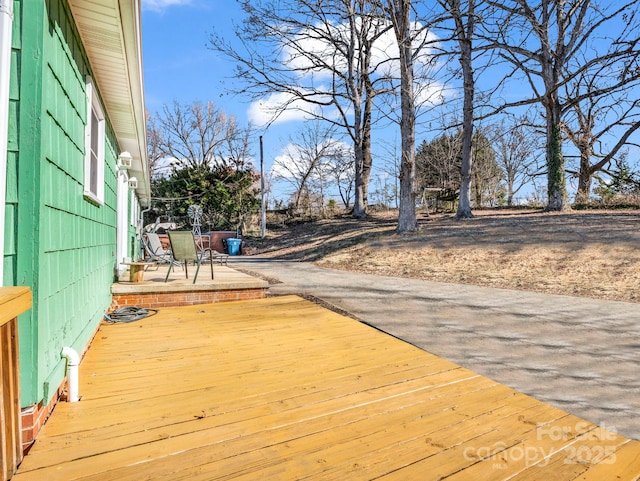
282,389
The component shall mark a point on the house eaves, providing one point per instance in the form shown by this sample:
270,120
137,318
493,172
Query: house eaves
111,33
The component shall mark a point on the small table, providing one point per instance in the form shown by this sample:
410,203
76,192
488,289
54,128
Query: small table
136,270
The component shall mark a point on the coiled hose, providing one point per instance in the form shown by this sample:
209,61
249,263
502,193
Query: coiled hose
129,314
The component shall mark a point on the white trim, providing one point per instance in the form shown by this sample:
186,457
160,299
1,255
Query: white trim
112,38
134,220
135,211
94,152
122,220
6,26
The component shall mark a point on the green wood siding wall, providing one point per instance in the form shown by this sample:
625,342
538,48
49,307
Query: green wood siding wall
11,206
134,249
65,244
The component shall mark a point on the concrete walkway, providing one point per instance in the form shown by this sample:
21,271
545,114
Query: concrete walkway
581,355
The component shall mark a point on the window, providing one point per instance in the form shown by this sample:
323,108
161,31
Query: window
94,147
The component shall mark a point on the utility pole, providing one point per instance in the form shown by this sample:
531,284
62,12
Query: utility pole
263,206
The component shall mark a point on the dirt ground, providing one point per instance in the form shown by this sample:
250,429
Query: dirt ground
582,253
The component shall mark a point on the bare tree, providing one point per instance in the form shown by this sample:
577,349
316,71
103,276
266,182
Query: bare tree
604,115
400,14
544,41
308,162
317,58
236,151
342,173
463,15
516,149
208,161
200,135
155,150
390,168
486,175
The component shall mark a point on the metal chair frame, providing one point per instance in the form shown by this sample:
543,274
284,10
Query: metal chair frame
184,250
153,247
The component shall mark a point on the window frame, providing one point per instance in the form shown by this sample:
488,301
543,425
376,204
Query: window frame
94,159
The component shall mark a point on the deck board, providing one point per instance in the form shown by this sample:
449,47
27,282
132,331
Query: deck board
281,388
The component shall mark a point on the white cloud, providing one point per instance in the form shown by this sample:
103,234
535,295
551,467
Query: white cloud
293,160
161,5
384,60
384,52
432,94
265,111
278,169
283,107
295,54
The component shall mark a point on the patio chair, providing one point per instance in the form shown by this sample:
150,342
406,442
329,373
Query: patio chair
221,258
215,255
184,250
154,250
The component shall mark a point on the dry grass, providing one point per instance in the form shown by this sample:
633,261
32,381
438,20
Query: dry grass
585,253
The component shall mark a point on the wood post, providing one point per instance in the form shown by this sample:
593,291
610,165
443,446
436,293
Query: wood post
13,302
136,272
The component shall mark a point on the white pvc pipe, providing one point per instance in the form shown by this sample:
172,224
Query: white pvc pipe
73,361
6,25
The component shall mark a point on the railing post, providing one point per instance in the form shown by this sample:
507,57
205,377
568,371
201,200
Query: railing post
13,302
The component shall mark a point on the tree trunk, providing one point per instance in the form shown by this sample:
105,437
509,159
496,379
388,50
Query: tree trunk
552,63
509,190
464,40
464,202
359,202
359,206
367,158
584,177
407,212
556,183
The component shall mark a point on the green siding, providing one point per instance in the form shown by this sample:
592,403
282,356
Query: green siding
29,80
63,246
11,207
134,248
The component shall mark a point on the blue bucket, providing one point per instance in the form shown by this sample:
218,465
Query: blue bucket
233,245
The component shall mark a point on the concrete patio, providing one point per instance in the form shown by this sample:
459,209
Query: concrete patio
228,284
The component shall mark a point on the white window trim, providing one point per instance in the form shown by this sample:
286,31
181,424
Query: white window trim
93,104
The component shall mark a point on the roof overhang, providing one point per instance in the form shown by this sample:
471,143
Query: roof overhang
112,37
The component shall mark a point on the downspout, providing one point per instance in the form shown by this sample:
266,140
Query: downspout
73,361
6,26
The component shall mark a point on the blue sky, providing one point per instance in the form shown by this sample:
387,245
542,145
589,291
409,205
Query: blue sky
177,63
